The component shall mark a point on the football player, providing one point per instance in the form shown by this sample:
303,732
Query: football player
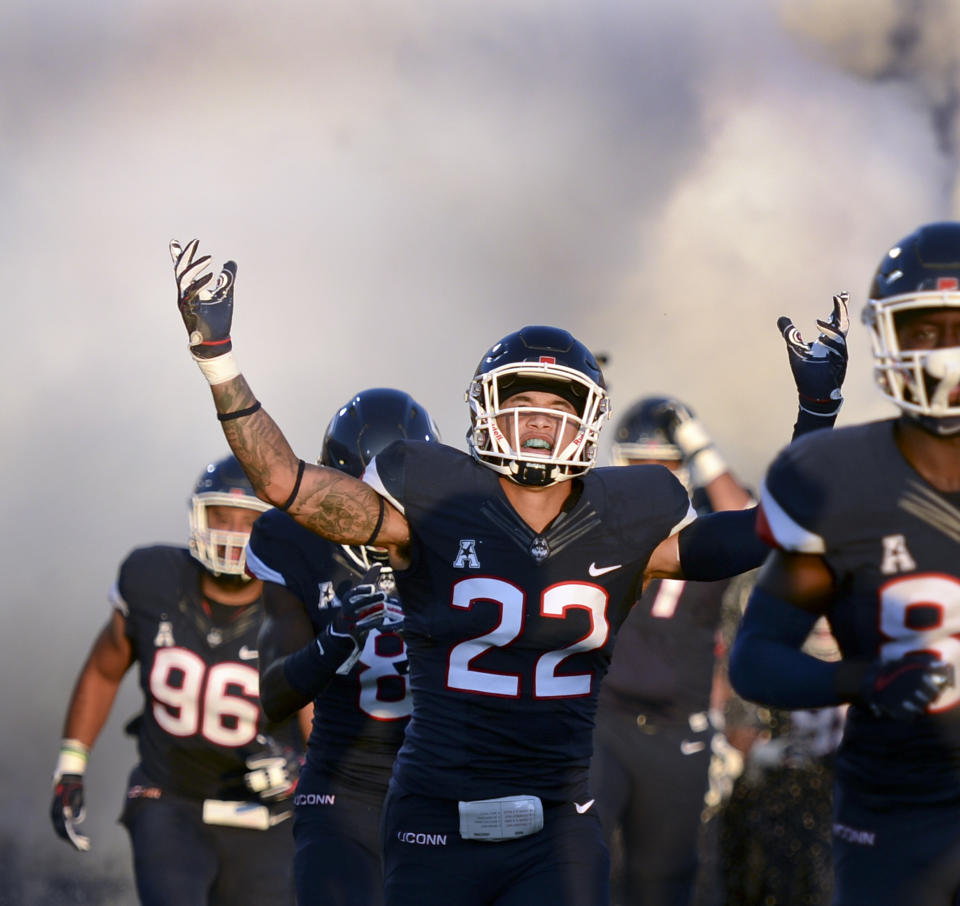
866,523
655,742
516,563
207,806
360,692
655,735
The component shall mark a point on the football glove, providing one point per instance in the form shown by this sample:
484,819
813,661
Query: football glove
206,313
902,689
364,607
687,432
820,367
67,810
272,772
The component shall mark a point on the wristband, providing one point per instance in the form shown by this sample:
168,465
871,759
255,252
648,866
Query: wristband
72,759
218,370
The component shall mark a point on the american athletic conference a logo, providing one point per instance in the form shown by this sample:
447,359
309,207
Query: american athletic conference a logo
467,555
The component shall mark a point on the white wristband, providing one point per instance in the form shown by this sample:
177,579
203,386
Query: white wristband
72,759
219,370
705,466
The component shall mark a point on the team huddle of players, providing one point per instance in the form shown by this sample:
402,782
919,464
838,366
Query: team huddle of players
436,624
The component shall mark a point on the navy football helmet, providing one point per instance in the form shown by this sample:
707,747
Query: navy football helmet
222,483
922,271
541,359
644,433
361,428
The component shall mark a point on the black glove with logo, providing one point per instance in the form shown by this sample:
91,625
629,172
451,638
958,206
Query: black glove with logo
902,689
67,810
207,313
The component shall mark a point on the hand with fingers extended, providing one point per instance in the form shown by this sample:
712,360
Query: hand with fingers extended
820,367
67,810
206,313
902,689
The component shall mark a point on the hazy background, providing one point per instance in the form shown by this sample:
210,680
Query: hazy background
402,184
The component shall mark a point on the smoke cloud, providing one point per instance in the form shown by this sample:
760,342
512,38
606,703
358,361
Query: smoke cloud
402,185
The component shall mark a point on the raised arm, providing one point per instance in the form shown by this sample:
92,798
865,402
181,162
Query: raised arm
327,501
720,545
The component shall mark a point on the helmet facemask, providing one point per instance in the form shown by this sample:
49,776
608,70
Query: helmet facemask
491,446
223,553
918,381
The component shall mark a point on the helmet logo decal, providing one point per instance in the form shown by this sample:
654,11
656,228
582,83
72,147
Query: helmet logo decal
947,283
547,360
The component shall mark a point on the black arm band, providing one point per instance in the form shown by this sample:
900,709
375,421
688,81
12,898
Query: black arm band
720,545
376,528
240,413
296,488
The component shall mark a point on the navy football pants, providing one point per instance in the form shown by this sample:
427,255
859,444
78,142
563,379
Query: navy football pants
180,861
650,783
338,845
426,863
904,855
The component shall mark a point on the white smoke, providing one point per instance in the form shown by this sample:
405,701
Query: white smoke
402,185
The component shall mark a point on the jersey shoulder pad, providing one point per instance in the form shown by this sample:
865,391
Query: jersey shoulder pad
408,470
648,495
817,484
147,569
286,553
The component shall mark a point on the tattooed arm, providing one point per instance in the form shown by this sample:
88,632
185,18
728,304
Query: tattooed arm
326,501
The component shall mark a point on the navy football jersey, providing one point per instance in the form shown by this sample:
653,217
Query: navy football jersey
509,632
200,682
892,542
664,656
359,718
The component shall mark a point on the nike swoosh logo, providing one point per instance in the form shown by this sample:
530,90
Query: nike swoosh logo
688,747
583,809
248,654
595,570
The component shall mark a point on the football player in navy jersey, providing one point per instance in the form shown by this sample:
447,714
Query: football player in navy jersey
656,740
866,525
516,563
655,736
361,698
207,805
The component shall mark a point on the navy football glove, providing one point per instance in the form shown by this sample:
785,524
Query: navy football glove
206,313
273,771
820,367
67,810
366,606
903,688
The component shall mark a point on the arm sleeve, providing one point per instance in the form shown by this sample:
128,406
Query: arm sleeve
766,662
720,545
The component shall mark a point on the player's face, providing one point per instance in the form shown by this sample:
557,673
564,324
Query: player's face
538,432
231,519
929,328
